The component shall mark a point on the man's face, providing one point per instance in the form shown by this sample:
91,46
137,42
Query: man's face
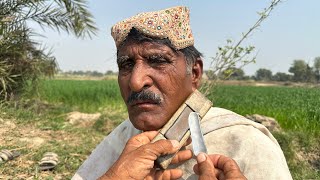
153,81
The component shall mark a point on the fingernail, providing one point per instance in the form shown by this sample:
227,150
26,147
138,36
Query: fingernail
175,143
201,157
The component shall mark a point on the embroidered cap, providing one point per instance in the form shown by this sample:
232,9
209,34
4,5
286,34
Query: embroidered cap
172,23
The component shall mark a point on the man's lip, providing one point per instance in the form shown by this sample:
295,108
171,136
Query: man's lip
137,103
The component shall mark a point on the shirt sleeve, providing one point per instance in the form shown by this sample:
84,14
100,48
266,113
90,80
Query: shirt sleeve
106,153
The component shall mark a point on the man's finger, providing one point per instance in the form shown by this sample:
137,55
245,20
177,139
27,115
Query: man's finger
182,156
223,162
218,172
205,167
169,174
161,147
189,140
143,138
139,140
227,165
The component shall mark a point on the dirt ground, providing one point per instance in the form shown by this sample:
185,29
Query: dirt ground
32,142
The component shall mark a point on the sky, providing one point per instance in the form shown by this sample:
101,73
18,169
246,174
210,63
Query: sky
292,31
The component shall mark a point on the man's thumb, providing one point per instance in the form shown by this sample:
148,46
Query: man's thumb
205,169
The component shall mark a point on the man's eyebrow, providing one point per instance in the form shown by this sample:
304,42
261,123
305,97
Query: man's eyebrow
122,59
163,53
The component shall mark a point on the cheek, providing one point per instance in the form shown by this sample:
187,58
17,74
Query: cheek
178,81
123,85
175,88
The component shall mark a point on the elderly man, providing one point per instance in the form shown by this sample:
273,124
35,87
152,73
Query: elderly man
159,67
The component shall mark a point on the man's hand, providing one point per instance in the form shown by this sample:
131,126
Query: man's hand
217,167
138,156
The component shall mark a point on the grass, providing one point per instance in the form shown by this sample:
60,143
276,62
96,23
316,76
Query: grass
85,95
296,109
44,117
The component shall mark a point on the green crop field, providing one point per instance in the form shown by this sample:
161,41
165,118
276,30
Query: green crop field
85,95
296,109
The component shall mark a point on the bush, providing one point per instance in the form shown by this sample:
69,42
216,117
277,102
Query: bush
21,63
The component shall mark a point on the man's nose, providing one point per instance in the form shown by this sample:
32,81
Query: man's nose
140,77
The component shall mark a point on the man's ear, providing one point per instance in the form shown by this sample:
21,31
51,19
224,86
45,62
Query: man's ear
197,70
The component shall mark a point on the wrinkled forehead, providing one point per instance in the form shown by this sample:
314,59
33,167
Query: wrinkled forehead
145,48
137,40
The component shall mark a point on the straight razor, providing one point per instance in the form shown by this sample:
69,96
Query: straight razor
198,144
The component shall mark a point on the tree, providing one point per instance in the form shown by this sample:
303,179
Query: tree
316,66
279,76
302,72
22,62
233,74
263,74
299,69
96,74
110,72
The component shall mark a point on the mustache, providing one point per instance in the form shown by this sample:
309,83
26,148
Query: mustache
144,95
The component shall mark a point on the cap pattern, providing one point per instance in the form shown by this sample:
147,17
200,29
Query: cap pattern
172,23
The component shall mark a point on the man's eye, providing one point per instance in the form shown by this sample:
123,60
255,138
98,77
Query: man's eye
128,65
156,59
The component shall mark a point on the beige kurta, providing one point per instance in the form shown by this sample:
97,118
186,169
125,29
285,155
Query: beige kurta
250,144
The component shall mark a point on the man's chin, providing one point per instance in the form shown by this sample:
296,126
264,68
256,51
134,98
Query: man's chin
146,124
145,127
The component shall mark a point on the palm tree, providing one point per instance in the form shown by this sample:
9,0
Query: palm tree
21,60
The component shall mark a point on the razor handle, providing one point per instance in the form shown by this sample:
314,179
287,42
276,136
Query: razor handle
177,127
